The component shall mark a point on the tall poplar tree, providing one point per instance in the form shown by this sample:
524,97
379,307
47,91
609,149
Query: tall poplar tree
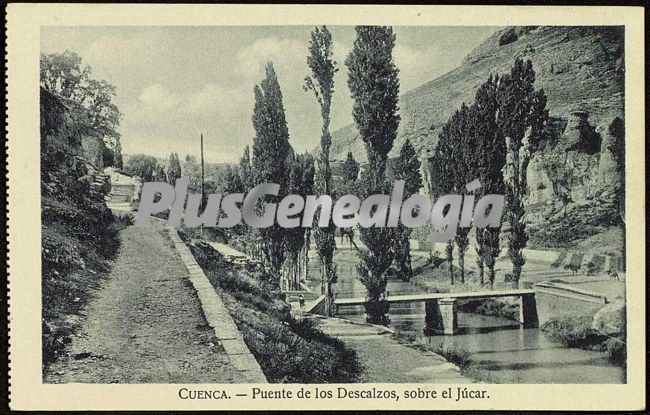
174,169
441,164
463,171
350,169
323,69
246,169
374,87
523,118
490,147
407,168
301,182
118,161
271,150
345,185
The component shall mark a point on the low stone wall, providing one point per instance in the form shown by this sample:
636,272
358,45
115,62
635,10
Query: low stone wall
218,318
294,295
317,306
531,254
557,300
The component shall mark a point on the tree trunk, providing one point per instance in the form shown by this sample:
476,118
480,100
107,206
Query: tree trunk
461,264
491,276
450,259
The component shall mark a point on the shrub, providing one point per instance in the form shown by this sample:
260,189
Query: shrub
590,268
577,331
598,262
616,349
457,355
560,259
405,336
123,219
437,288
294,351
573,331
288,349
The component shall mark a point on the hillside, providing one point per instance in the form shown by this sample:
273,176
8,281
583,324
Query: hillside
80,234
577,67
582,72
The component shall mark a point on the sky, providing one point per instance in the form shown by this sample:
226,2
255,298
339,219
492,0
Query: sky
175,83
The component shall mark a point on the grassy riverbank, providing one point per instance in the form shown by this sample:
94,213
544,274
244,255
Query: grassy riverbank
289,350
458,356
586,331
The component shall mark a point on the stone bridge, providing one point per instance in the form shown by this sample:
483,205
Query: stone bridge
441,313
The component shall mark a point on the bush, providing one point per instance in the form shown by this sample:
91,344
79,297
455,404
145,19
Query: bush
590,268
294,351
123,219
560,259
288,349
459,356
578,331
574,331
405,336
616,349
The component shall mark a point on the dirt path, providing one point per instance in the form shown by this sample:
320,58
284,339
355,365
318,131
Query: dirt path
146,324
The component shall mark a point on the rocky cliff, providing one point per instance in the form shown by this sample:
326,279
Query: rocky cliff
582,72
79,234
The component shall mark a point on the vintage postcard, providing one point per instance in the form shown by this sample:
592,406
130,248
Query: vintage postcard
326,207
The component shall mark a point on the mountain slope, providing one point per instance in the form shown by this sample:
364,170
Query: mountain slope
578,67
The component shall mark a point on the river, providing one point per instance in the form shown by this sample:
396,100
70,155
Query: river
502,352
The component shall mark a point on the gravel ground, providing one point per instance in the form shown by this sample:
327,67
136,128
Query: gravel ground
145,325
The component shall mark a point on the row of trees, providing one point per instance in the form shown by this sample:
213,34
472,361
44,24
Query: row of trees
149,168
493,140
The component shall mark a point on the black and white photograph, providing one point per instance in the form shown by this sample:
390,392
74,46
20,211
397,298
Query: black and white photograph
325,207
534,113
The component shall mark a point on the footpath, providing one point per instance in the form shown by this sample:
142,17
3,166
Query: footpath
146,324
385,360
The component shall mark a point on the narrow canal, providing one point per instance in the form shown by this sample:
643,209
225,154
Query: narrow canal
502,352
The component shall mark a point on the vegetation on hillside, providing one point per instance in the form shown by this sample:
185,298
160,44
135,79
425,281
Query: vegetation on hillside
289,349
89,101
79,233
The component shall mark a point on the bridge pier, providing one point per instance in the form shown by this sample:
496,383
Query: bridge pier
441,316
528,311
441,312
